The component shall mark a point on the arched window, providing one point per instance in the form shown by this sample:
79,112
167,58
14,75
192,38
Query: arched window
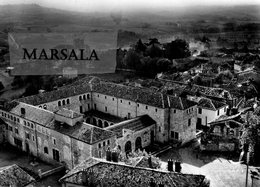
106,124
63,102
46,151
100,124
88,96
68,101
84,97
59,103
94,121
80,98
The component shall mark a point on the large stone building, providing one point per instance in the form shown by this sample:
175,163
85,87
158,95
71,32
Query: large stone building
85,118
124,102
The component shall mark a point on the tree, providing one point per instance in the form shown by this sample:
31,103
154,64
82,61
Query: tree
177,49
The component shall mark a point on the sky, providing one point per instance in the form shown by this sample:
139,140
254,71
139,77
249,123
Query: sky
108,5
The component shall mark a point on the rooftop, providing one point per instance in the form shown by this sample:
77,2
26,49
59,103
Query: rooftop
211,104
79,87
14,176
116,174
180,103
81,131
68,113
135,124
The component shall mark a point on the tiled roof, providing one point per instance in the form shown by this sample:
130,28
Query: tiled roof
117,174
104,116
83,132
9,105
68,113
14,176
79,87
144,96
135,124
208,91
33,113
180,103
210,104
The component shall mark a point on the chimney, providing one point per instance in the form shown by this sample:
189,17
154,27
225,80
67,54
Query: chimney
177,166
170,165
23,111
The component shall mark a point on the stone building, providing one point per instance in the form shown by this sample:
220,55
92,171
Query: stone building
124,102
134,134
210,110
59,136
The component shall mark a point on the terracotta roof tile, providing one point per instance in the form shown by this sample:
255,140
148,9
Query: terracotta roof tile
14,176
116,174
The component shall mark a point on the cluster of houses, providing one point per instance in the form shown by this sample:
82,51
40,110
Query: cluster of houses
85,119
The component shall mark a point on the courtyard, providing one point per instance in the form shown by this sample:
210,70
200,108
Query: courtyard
223,170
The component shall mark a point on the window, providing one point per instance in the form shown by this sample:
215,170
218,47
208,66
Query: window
129,115
84,97
113,99
146,107
121,101
218,112
174,111
104,144
129,103
46,151
14,119
45,106
59,103
27,135
18,120
63,102
95,106
106,109
156,110
137,105
159,128
98,95
189,122
32,125
10,128
80,98
174,135
199,110
16,131
99,145
68,101
108,142
33,139
88,96
105,97
225,109
54,141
